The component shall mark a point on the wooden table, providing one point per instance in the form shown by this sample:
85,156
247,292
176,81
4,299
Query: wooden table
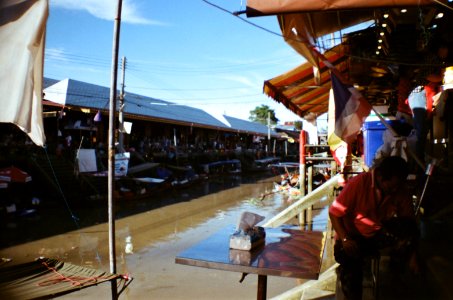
287,252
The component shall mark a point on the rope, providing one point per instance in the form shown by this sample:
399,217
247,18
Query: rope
80,281
74,280
74,218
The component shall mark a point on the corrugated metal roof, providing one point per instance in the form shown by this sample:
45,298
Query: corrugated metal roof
48,82
252,127
75,93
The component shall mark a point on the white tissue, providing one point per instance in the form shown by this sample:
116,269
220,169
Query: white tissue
247,221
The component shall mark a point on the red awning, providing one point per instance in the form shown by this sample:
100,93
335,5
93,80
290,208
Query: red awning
297,89
273,7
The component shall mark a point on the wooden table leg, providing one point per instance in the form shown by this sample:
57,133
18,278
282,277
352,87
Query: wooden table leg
262,287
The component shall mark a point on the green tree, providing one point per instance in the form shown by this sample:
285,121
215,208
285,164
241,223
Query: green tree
298,125
260,115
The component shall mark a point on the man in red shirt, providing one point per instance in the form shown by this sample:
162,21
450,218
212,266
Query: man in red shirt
373,211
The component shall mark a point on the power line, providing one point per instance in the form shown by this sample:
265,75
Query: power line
56,56
159,67
209,89
182,90
201,100
216,98
53,56
321,47
242,19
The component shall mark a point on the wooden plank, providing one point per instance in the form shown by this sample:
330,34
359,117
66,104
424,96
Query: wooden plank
304,203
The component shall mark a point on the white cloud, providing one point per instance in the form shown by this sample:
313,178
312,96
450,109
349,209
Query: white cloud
56,54
106,10
239,79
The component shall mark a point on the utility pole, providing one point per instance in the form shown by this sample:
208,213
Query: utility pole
121,109
111,148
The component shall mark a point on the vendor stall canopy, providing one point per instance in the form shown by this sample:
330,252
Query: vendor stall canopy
369,42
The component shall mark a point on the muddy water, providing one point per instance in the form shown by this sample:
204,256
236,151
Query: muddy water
149,239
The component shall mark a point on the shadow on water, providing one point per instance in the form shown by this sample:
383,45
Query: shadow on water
60,217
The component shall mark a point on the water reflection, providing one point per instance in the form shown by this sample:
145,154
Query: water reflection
150,232
221,198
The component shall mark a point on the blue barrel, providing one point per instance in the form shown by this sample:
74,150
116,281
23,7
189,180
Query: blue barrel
372,139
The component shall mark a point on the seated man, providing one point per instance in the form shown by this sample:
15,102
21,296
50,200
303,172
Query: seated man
373,211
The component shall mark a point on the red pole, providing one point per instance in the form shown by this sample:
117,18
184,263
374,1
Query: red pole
302,142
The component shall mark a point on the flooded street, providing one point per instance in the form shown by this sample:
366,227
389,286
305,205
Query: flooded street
151,232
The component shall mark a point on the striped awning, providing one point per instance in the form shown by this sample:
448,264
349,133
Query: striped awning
297,89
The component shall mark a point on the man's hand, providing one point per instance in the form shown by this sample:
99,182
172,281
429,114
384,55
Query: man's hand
350,247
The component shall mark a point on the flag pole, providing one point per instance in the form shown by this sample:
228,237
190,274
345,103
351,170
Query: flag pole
381,118
111,147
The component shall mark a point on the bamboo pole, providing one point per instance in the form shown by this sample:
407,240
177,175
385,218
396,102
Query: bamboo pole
309,214
111,146
121,108
310,179
302,204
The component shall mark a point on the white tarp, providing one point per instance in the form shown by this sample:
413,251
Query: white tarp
219,116
57,93
86,159
22,34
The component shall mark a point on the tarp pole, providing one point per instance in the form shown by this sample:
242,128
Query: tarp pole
121,108
111,154
268,132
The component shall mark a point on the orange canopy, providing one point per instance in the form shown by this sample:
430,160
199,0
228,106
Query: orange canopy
298,90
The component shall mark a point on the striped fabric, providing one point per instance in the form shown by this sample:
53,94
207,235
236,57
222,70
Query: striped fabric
48,278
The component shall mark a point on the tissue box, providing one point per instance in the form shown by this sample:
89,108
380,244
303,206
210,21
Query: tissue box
240,257
247,240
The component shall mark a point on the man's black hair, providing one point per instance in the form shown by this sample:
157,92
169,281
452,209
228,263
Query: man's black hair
391,166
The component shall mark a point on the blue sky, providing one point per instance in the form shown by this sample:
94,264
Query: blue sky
183,51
